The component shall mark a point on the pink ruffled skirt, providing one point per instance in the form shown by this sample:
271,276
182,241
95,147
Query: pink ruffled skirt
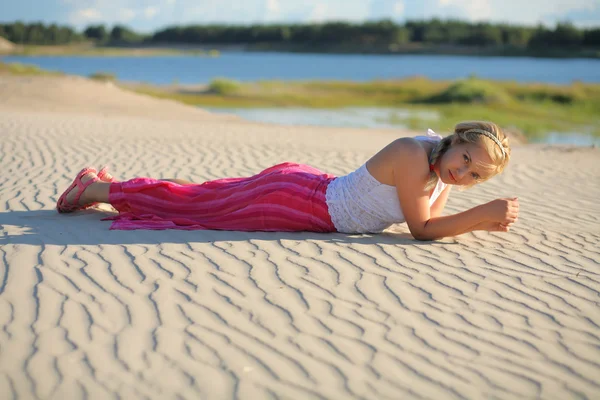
287,197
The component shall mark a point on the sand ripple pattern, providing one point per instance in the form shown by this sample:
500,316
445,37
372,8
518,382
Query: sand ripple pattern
86,313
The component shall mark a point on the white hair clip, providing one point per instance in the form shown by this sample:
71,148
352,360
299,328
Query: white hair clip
488,134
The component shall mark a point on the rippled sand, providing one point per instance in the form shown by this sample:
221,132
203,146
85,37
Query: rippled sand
90,313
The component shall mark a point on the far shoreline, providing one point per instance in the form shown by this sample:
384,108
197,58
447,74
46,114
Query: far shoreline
215,49
531,111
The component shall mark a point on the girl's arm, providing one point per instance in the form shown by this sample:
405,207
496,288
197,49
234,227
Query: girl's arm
438,207
440,202
491,227
411,171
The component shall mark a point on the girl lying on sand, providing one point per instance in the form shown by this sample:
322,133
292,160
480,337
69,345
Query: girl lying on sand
409,180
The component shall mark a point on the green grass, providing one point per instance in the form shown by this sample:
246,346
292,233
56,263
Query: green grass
532,120
224,87
90,50
533,109
24,69
103,77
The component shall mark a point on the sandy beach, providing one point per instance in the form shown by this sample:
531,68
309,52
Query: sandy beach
89,313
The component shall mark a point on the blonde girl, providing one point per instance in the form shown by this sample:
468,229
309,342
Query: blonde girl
407,181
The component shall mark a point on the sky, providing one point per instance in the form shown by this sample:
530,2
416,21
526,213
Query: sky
152,15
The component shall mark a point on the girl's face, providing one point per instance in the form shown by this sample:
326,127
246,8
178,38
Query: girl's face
463,164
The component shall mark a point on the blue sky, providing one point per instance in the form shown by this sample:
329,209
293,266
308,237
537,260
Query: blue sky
151,15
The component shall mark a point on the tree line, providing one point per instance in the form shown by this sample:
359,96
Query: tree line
371,33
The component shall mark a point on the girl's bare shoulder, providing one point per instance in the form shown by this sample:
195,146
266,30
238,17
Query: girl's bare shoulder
407,151
408,144
406,147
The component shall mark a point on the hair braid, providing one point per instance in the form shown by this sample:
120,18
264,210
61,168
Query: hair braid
437,151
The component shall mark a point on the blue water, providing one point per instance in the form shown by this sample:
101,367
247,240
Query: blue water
252,66
354,117
285,66
367,117
569,138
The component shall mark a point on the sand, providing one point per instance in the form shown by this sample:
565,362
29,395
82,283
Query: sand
90,313
6,46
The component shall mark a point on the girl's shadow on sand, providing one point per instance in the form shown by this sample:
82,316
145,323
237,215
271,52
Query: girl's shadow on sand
47,227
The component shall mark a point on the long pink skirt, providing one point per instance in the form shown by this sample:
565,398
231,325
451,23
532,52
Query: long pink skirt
287,197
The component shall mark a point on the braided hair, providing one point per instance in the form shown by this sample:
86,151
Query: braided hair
436,153
470,132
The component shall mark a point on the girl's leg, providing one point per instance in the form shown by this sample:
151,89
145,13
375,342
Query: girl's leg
98,192
286,197
180,181
107,177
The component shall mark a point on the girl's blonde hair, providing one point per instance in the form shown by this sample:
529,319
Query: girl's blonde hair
470,132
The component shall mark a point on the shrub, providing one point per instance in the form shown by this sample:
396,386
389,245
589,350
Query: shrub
471,91
103,77
561,95
24,69
224,86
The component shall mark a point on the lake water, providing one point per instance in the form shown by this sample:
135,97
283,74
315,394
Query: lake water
363,117
250,66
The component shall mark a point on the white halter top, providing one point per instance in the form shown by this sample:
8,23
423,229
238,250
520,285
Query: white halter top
359,203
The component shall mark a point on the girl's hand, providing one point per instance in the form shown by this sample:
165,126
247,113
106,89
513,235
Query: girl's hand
493,227
502,211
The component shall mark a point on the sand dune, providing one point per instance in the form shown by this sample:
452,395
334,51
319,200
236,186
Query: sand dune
6,46
90,313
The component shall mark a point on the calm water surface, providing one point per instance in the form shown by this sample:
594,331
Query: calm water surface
356,117
250,66
285,66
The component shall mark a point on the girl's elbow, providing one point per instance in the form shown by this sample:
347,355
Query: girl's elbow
420,236
419,232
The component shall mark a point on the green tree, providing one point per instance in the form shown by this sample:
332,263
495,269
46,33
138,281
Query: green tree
16,32
541,37
35,33
435,32
122,35
566,34
516,36
96,32
591,37
484,34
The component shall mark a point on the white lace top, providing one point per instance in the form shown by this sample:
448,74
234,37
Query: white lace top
359,203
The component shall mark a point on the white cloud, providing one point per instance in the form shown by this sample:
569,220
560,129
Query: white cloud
399,8
272,11
273,6
150,12
90,13
257,11
515,11
85,15
318,13
472,9
534,11
112,12
335,10
126,14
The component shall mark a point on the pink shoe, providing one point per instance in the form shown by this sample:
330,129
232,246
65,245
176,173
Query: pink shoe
102,174
62,206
